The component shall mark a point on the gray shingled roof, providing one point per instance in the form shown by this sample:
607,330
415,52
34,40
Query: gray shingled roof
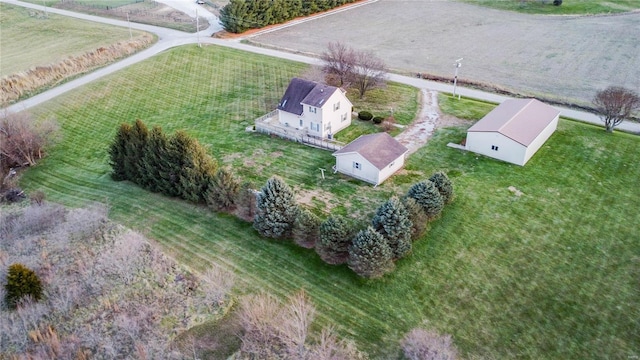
521,120
379,149
302,91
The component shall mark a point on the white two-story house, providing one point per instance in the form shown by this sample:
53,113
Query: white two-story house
321,110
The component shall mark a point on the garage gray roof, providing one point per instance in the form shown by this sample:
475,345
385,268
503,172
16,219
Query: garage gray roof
379,149
521,120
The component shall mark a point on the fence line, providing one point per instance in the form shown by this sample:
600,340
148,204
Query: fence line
294,134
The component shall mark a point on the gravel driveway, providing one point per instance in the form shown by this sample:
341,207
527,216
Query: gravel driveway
567,58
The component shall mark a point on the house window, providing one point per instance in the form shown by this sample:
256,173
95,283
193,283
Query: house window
312,109
300,122
494,147
336,106
343,118
315,127
357,165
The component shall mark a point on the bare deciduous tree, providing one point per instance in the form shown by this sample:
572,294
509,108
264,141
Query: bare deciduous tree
614,104
22,140
339,61
369,72
296,320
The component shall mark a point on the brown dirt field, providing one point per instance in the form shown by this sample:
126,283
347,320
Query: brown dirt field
566,58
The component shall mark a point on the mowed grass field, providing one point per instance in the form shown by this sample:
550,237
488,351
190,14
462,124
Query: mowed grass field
549,274
30,39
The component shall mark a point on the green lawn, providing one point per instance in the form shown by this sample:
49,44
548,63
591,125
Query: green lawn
568,7
29,39
550,274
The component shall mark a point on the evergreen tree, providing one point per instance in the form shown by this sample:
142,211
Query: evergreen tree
427,195
21,282
276,209
134,150
370,256
223,191
444,186
235,16
417,217
154,161
197,173
306,229
336,234
118,152
392,222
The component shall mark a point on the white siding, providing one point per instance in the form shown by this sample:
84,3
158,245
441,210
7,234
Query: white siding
288,119
485,143
366,172
329,117
385,173
537,143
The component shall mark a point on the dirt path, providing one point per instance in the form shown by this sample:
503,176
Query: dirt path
416,135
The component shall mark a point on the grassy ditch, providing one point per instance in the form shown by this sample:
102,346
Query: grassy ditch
551,273
590,7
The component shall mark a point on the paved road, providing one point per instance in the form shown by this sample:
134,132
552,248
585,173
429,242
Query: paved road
168,38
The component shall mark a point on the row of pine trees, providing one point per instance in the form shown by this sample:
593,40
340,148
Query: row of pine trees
178,166
370,252
241,15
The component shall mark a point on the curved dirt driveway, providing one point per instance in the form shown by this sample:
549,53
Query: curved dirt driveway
567,57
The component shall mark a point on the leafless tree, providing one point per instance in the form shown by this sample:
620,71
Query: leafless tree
259,320
421,344
329,347
614,104
22,140
339,60
368,72
295,323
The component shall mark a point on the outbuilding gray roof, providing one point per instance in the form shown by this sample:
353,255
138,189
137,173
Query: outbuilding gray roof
379,149
521,120
307,92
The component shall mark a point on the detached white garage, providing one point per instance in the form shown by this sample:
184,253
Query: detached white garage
513,131
372,158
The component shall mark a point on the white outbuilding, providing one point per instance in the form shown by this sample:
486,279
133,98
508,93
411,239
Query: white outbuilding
513,131
372,158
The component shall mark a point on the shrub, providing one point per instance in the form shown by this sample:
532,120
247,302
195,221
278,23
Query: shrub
336,235
22,282
365,115
378,120
246,202
370,256
427,195
420,344
277,209
557,2
444,186
306,229
223,191
417,217
12,195
392,222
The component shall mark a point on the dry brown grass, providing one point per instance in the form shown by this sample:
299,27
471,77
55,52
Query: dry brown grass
25,83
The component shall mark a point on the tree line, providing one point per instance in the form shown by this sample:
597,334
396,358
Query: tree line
370,252
241,15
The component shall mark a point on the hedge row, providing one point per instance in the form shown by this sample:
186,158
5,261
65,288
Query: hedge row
241,15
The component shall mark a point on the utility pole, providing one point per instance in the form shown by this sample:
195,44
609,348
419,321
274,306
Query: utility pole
458,64
198,28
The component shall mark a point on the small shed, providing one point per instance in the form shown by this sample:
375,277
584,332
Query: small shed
371,158
513,131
